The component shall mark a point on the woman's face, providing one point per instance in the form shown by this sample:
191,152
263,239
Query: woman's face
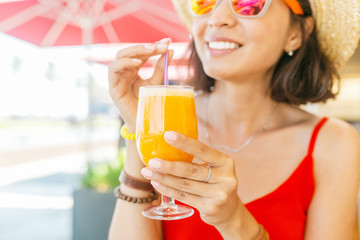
231,47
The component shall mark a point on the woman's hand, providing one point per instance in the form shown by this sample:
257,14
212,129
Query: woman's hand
217,200
124,81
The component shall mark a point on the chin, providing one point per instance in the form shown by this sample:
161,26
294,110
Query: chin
218,73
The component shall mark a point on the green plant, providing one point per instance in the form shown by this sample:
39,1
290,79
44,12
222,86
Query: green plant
103,176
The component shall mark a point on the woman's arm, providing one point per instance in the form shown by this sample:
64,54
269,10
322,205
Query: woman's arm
124,83
333,210
127,221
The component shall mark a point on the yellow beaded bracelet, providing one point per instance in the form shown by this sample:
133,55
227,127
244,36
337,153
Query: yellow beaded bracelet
125,134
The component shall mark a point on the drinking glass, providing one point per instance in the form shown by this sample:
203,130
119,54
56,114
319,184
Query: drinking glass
160,109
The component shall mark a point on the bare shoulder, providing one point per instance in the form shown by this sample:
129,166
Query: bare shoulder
337,176
338,135
337,150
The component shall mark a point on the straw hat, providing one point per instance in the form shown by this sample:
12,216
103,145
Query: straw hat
337,22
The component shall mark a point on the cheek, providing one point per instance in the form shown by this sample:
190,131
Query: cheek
198,28
198,35
268,43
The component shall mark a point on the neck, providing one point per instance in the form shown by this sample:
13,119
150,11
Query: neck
242,112
243,106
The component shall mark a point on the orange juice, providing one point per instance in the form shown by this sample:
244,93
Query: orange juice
161,109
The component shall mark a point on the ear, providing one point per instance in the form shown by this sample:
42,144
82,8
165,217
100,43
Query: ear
309,26
294,40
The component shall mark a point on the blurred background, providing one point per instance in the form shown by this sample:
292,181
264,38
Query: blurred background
60,150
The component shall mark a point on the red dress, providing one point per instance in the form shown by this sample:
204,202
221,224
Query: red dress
281,212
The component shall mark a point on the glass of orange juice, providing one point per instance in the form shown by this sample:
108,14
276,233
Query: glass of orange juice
160,109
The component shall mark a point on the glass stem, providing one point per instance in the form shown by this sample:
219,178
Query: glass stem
168,203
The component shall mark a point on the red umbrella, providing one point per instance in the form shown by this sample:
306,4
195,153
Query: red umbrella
82,22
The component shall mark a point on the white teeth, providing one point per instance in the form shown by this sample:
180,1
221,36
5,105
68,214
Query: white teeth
223,45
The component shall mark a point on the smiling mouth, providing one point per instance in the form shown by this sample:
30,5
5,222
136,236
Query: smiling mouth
221,45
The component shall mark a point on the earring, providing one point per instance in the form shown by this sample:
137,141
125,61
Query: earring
291,53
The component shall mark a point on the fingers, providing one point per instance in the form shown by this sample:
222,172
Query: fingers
197,149
184,197
128,61
119,75
133,58
189,192
144,52
123,65
182,184
123,71
207,198
184,170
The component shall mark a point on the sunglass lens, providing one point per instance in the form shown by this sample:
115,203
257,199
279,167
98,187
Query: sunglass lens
202,7
248,7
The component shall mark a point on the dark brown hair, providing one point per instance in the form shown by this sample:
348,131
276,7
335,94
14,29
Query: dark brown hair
307,76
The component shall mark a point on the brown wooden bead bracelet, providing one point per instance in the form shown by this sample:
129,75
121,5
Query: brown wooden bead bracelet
136,183
118,194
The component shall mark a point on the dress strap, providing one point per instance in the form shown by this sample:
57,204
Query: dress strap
315,134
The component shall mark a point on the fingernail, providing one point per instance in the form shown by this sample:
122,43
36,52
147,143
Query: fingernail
154,163
136,60
162,46
170,136
155,184
149,46
146,172
165,40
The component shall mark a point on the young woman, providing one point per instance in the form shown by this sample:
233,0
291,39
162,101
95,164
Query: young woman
275,171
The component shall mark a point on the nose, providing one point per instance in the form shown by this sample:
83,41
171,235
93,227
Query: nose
222,16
